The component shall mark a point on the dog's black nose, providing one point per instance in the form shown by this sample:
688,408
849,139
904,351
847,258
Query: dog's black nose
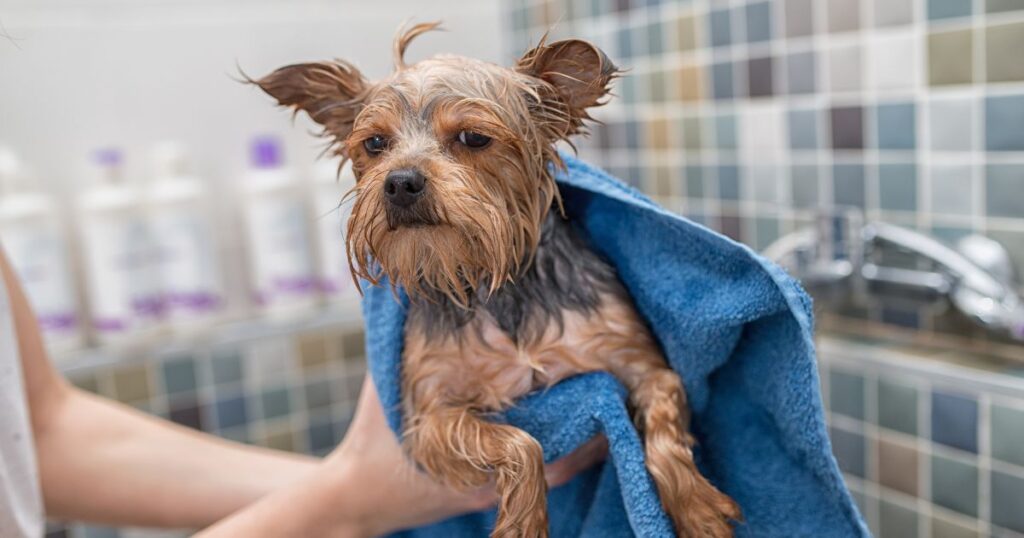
404,186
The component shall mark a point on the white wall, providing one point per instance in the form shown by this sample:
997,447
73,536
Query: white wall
80,74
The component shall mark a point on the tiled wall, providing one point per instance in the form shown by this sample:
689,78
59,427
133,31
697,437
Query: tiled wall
927,449
290,386
748,115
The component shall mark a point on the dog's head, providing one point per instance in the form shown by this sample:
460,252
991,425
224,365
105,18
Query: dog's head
453,156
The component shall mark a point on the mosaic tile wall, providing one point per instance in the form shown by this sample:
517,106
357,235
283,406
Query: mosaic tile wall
927,452
291,387
748,116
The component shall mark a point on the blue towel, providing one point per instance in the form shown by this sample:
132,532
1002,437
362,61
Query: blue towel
736,328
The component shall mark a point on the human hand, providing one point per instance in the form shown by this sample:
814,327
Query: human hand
387,491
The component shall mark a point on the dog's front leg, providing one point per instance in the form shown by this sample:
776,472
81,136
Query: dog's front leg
457,447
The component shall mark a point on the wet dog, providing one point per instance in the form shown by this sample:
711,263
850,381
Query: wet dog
456,202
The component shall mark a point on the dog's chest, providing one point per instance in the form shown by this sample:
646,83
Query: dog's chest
567,314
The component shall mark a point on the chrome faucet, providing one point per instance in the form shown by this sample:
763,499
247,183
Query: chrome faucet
977,276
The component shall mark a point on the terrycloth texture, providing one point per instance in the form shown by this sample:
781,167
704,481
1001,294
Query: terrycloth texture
736,328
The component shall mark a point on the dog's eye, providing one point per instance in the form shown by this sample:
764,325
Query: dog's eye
375,144
474,140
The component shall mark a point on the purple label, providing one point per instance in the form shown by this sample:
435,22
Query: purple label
193,302
299,286
110,325
149,307
61,322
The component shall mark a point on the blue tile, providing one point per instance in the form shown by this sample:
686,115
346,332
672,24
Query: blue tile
848,185
720,25
955,485
803,129
725,132
846,394
952,189
849,449
1005,191
321,436
179,375
231,412
722,81
728,182
901,317
759,22
947,9
1004,123
624,38
955,420
186,411
801,73
897,126
1008,501
897,186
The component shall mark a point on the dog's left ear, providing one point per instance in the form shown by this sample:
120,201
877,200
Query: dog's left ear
578,72
332,93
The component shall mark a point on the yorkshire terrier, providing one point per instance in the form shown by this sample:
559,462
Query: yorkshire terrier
456,202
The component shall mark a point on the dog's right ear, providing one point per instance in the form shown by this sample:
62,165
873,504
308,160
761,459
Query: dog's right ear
332,93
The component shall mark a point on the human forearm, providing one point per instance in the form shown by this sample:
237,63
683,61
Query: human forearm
104,462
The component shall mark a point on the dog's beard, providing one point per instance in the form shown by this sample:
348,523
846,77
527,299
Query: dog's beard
452,249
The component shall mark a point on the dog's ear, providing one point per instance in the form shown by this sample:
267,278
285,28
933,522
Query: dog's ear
332,93
578,72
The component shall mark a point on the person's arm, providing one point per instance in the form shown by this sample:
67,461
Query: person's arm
369,487
104,462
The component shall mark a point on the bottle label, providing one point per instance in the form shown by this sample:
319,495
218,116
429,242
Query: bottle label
123,272
188,268
39,257
279,246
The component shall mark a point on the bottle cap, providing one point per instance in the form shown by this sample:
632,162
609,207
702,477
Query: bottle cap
265,152
107,165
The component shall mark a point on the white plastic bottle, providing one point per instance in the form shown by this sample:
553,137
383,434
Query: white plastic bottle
119,253
277,232
330,217
178,213
31,235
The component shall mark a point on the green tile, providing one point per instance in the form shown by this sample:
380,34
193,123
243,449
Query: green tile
131,384
1008,500
227,366
179,375
896,521
805,182
945,528
766,231
686,36
275,403
692,138
353,346
86,382
955,485
996,6
1003,45
897,406
1004,186
897,186
950,57
1008,434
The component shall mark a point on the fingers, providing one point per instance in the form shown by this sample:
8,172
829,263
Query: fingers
588,454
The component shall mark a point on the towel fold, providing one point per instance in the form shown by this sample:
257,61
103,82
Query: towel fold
739,332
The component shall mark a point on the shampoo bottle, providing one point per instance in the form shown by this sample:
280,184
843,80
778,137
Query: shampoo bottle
32,237
277,232
178,213
119,253
331,213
